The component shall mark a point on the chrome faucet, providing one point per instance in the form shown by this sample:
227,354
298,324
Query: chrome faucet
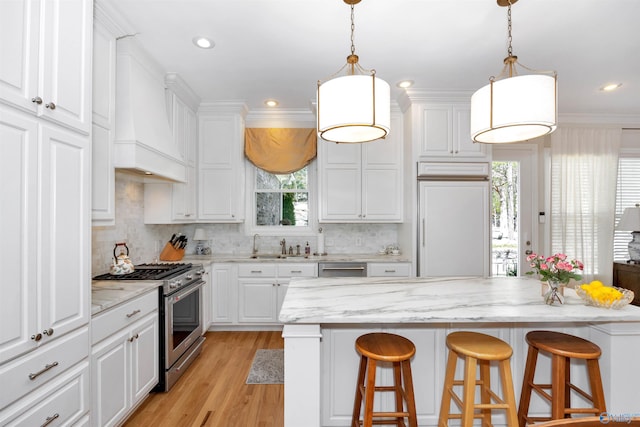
283,243
255,247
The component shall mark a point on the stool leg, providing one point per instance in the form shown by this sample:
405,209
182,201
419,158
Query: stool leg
567,387
558,386
597,393
369,391
397,389
509,395
408,388
470,367
485,386
527,380
445,403
357,401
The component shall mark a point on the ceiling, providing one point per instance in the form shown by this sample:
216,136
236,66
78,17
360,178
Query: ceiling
279,49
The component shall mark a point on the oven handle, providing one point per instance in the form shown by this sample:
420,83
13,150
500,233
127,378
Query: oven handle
181,293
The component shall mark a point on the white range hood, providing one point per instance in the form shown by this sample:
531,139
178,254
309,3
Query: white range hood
143,141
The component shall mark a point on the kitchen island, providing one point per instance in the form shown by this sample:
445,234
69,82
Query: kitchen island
323,317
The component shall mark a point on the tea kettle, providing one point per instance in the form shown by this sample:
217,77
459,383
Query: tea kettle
121,263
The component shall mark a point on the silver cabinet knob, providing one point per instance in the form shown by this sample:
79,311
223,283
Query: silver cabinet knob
36,337
37,100
48,332
50,105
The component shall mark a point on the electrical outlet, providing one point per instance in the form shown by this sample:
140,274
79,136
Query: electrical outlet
358,241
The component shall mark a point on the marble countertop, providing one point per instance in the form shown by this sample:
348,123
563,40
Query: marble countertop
109,293
435,300
311,258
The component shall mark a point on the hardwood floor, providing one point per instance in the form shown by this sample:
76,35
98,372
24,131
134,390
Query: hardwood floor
213,392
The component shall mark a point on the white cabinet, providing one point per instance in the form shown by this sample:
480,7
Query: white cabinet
389,269
124,359
263,286
444,133
221,168
165,202
46,59
104,98
223,301
453,228
45,206
362,182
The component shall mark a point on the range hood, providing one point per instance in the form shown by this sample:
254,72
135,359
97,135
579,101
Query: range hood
143,141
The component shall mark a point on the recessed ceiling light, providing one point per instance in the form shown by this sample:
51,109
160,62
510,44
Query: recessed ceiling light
405,84
611,86
271,103
203,42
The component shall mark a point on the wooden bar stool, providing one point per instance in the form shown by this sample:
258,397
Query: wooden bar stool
384,347
477,350
562,348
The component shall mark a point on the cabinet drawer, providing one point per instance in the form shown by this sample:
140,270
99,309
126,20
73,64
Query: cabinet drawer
123,315
298,270
63,402
257,270
389,269
32,371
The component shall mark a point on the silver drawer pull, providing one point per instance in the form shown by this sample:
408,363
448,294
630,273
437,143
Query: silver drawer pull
389,271
49,420
256,271
43,370
133,313
135,337
296,271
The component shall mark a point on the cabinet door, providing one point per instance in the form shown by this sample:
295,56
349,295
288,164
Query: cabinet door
382,177
65,188
281,292
257,300
65,71
102,177
110,394
144,344
436,130
340,181
220,169
464,145
454,228
19,36
18,211
223,297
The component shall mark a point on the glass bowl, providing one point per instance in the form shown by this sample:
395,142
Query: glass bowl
627,297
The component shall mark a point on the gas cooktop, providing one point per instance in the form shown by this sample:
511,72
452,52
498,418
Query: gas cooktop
151,271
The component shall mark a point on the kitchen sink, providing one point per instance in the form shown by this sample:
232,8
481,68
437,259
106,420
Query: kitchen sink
268,256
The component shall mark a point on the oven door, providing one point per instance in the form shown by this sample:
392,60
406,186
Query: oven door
183,321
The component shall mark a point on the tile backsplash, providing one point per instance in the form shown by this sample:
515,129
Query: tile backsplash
145,241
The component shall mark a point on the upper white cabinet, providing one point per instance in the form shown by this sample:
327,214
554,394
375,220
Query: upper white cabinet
221,168
46,59
444,133
166,202
362,182
103,119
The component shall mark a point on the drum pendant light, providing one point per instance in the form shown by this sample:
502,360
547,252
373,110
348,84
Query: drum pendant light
512,107
354,107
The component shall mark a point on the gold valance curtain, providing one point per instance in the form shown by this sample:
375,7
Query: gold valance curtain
282,150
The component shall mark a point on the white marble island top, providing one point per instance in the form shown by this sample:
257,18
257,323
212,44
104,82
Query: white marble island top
435,300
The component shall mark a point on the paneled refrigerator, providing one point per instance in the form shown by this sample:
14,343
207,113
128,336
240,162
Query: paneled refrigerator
454,219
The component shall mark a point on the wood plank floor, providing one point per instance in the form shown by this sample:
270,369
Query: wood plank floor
213,392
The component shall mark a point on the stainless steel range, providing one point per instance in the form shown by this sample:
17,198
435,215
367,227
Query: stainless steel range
180,306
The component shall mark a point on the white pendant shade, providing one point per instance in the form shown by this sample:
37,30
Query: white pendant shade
353,108
514,109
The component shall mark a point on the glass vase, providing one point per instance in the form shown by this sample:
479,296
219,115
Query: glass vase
554,292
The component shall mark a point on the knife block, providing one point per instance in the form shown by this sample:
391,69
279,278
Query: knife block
169,253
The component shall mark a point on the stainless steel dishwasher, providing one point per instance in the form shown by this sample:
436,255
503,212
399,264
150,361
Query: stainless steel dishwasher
342,269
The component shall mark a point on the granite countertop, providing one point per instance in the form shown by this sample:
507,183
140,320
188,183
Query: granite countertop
109,293
312,258
435,300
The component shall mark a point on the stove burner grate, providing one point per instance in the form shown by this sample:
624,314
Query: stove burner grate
148,272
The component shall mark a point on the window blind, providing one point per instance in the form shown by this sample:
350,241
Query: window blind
627,195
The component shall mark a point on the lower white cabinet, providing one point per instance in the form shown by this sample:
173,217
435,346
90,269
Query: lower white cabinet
125,364
389,269
263,286
223,297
